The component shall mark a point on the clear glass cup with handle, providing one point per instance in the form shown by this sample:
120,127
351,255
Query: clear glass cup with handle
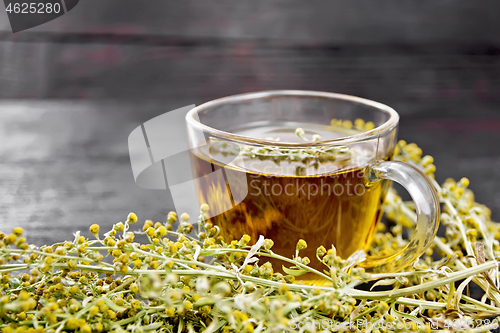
291,165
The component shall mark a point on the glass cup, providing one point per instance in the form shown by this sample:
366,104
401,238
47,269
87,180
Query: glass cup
291,165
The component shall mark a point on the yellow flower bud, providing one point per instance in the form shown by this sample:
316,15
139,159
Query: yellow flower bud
359,123
111,314
171,217
347,124
129,237
134,288
150,232
109,241
135,304
301,244
369,126
86,329
93,311
132,218
18,231
464,182
73,324
187,305
119,227
161,231
299,131
170,312
138,263
245,239
94,229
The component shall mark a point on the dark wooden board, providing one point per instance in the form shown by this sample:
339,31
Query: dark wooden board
64,164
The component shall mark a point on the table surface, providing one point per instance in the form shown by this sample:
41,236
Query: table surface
65,164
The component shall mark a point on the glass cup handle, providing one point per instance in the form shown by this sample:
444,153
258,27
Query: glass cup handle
427,206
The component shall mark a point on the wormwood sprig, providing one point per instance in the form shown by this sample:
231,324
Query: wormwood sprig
313,156
178,281
470,235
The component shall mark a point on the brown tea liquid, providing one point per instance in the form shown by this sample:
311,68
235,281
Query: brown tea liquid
285,205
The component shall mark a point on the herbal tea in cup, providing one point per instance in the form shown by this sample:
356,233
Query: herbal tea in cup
291,165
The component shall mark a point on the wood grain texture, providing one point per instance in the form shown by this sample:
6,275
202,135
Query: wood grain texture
318,21
65,164
165,69
74,88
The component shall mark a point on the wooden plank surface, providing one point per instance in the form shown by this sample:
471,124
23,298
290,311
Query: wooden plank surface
65,164
74,88
166,69
315,22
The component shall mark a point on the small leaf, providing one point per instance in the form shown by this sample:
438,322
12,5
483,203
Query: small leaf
410,317
86,301
357,310
252,260
252,251
481,259
460,289
152,326
290,306
260,327
112,305
385,282
181,325
204,301
479,252
258,307
197,252
294,272
221,323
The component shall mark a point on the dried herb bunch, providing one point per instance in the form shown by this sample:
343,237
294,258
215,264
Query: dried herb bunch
177,282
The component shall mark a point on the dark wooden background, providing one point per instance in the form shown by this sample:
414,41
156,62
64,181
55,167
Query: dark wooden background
74,88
